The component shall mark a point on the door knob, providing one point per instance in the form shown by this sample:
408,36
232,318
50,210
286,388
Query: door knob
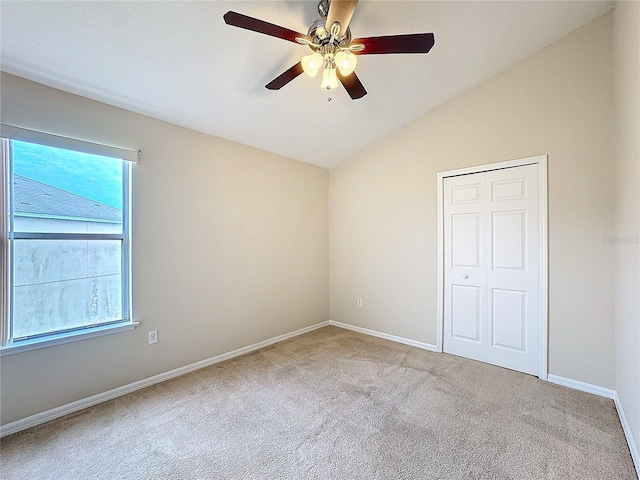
465,276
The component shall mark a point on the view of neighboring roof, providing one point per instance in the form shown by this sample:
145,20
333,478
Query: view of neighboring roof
36,199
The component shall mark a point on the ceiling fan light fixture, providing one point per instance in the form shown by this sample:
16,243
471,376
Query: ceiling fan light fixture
332,47
346,62
312,63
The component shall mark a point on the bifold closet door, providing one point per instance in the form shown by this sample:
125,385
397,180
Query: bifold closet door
491,267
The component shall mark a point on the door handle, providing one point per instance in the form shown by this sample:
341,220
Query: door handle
465,276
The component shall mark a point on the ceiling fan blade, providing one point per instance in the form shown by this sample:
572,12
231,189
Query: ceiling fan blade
352,85
410,43
340,11
249,23
284,78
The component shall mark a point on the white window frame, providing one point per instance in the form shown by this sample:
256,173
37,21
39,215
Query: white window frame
7,344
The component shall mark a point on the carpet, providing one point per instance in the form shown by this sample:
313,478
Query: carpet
333,404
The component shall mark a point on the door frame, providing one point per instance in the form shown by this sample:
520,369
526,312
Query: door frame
541,162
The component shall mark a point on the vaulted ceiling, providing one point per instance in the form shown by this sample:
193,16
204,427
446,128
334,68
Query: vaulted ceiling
179,62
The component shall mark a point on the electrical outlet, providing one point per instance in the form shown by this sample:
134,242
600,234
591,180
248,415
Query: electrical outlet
359,302
153,337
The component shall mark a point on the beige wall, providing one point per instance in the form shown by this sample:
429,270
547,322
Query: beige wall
626,55
230,247
382,202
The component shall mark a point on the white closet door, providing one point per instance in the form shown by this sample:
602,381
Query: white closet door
465,270
513,277
492,267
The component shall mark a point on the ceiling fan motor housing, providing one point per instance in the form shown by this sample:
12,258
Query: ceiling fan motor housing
323,8
319,35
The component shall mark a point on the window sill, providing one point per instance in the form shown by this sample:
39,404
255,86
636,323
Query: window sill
35,344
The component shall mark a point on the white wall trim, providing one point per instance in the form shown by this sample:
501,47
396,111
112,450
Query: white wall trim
440,265
386,336
63,338
543,359
633,448
81,404
541,161
582,386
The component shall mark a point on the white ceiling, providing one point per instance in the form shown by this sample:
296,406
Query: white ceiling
179,62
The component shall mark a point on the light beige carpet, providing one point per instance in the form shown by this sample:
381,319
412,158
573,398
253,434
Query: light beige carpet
333,404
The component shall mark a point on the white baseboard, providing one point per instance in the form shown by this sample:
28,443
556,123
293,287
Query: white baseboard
386,336
81,404
582,386
633,447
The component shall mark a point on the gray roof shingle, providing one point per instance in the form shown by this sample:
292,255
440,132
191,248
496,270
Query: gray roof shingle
33,198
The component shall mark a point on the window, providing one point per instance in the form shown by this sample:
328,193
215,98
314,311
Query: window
66,260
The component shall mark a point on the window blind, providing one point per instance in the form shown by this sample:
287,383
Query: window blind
51,140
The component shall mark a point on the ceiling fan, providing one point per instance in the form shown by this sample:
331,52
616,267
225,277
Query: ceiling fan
329,38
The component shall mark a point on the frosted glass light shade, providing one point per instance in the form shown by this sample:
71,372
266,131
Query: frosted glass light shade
311,64
346,62
329,78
